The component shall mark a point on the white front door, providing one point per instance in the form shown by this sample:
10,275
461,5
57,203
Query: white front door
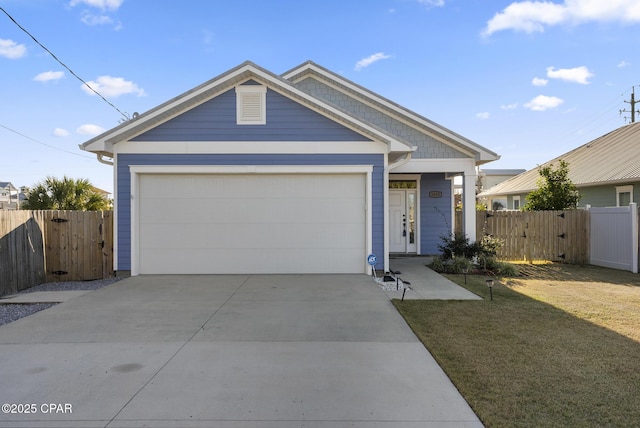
402,221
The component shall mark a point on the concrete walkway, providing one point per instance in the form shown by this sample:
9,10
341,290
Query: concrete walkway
43,297
425,283
225,351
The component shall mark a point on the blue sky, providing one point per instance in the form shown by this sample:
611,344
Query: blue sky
529,80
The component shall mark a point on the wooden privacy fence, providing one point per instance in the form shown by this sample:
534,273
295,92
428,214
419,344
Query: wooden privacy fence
537,235
45,246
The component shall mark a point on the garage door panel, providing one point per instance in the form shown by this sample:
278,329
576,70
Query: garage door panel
278,236
252,223
173,186
169,261
332,210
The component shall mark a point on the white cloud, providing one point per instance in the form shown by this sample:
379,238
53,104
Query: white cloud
509,106
483,115
365,62
538,81
47,76
12,50
113,87
623,64
543,102
100,4
90,129
534,16
431,3
91,19
579,75
207,37
59,132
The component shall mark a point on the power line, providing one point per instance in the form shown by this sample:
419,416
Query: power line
44,144
63,64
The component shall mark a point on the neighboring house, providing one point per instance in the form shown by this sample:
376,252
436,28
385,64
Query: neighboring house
487,178
8,196
101,192
306,172
606,172
24,194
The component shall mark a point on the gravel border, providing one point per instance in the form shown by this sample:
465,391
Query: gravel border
14,311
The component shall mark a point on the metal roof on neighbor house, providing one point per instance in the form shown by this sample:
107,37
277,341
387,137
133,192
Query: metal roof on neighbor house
612,158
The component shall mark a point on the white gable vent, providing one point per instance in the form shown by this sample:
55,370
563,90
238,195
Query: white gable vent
251,102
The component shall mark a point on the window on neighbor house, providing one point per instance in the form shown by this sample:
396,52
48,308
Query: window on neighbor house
251,105
516,202
624,195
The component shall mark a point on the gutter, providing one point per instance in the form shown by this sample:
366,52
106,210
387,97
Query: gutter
402,161
101,160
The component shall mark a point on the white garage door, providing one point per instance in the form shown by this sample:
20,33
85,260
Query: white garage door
257,223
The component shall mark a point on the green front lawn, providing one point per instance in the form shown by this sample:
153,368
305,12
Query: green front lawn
541,361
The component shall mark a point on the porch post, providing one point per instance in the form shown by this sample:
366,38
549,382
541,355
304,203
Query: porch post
469,204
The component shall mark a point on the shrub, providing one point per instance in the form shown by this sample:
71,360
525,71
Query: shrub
499,268
507,269
459,265
457,245
437,264
489,245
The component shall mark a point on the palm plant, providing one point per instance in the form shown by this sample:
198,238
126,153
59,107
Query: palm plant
65,194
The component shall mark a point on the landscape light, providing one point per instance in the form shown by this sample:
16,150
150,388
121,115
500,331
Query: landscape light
490,285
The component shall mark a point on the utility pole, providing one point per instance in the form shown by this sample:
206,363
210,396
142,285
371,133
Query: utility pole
632,103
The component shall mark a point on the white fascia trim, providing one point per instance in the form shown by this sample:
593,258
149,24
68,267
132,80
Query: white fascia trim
260,147
465,166
251,169
137,170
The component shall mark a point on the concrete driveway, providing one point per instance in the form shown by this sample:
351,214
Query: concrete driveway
224,351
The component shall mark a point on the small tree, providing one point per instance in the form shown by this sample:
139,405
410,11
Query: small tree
555,190
65,194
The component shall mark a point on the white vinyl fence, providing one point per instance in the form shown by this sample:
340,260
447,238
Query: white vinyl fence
614,237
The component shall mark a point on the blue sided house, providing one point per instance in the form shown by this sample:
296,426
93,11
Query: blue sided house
303,172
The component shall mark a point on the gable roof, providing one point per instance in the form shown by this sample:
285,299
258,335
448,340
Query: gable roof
7,185
103,144
446,136
610,159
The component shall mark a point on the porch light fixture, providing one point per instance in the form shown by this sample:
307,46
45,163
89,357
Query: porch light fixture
490,285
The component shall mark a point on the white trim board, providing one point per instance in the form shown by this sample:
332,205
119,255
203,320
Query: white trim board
253,147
